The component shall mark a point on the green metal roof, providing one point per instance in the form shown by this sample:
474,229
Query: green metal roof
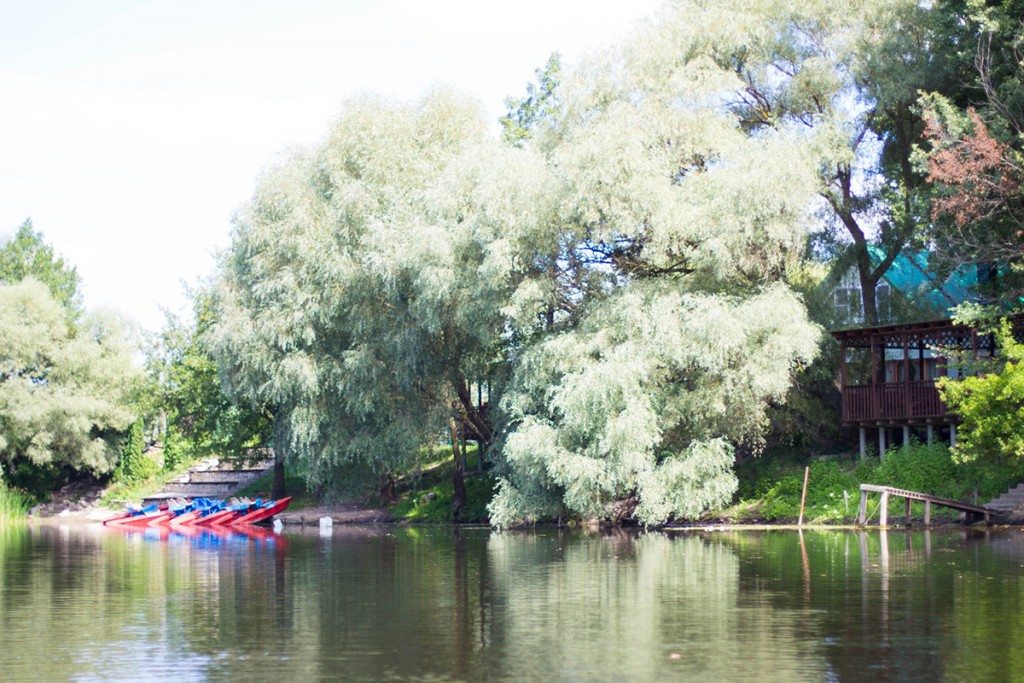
909,273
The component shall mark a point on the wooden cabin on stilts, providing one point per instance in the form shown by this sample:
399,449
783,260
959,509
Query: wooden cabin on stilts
888,375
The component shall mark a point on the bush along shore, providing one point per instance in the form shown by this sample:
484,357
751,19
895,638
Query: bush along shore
13,504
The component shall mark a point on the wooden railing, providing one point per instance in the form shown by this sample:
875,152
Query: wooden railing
893,401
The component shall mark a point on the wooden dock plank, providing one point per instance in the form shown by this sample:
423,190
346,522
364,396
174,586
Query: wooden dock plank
973,511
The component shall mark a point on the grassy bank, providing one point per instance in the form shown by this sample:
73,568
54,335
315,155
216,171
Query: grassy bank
13,504
426,496
770,486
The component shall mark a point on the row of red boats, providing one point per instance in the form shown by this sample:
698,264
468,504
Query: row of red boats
200,512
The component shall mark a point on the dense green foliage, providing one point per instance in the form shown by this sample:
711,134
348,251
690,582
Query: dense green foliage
991,406
64,388
369,283
185,394
134,465
975,157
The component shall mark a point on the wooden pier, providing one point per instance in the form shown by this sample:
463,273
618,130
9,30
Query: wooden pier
974,513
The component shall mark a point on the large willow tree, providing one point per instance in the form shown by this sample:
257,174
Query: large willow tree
694,213
371,280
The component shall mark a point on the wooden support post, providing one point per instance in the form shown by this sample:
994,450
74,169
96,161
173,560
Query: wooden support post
907,403
927,513
952,434
906,435
803,496
875,383
862,511
863,443
883,510
907,500
881,443
931,434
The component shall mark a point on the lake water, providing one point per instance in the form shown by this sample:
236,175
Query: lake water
436,604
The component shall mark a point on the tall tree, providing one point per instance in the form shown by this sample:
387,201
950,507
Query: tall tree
64,390
372,280
853,71
633,407
25,254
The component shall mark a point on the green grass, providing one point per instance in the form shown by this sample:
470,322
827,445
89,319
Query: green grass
14,504
426,496
433,504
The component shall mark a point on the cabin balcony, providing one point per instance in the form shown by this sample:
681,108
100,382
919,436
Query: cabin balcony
893,402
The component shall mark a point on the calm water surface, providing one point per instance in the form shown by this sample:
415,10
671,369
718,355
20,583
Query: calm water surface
436,604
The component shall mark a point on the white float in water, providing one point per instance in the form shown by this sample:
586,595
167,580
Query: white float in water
325,526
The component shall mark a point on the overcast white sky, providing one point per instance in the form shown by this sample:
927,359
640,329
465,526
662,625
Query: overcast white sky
130,131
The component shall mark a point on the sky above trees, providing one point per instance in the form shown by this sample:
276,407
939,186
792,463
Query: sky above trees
131,132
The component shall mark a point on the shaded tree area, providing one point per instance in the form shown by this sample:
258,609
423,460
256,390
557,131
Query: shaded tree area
185,403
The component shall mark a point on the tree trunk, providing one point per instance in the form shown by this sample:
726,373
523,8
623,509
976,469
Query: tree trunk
458,475
868,290
279,488
387,491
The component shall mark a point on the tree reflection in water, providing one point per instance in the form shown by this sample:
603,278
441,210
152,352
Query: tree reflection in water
370,603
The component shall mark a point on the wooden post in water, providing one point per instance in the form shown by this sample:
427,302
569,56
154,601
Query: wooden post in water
927,513
883,510
803,496
862,511
907,500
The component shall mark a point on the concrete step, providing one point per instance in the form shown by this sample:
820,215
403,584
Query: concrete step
199,490
225,476
1013,498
